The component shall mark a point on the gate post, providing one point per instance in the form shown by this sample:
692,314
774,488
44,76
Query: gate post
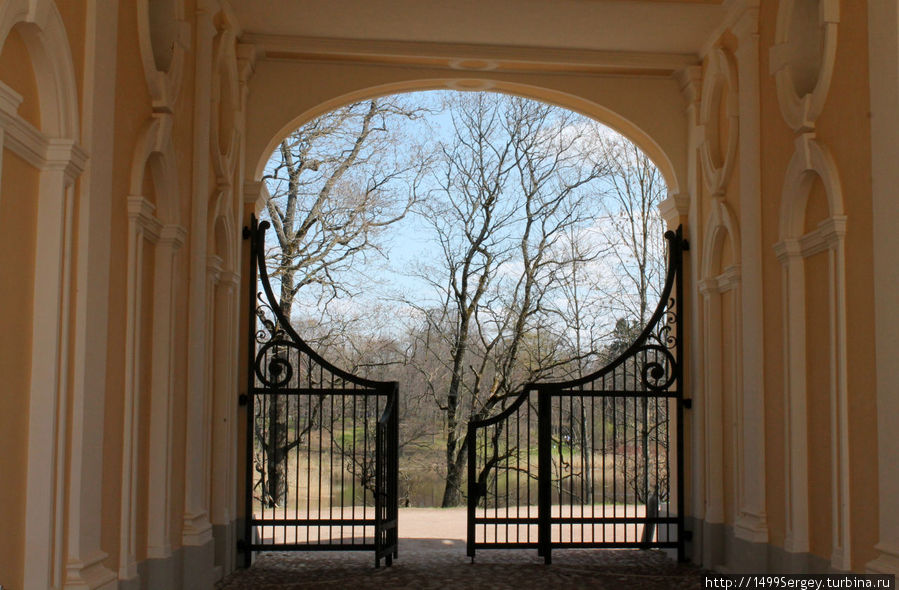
544,474
472,488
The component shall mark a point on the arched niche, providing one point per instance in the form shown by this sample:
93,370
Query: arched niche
222,360
49,143
154,238
719,285
718,117
802,58
811,166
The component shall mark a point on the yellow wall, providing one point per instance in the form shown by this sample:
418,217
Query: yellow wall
18,225
844,129
132,111
17,72
308,88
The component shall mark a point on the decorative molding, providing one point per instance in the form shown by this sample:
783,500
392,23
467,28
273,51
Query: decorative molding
154,150
224,129
255,192
10,100
674,209
720,224
751,521
690,81
800,104
142,211
811,160
173,235
60,161
735,14
720,228
474,57
168,46
719,89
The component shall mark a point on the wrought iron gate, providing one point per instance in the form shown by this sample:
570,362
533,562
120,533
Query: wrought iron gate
322,444
590,462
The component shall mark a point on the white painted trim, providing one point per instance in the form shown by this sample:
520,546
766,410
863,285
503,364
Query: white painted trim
795,398
811,160
690,82
883,77
164,86
801,112
751,523
256,193
538,59
162,385
54,151
714,283
225,84
719,86
141,221
84,559
196,528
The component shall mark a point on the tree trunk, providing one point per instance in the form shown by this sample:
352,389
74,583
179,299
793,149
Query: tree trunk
452,495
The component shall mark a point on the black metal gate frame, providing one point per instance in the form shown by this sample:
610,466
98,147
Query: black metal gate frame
660,357
261,385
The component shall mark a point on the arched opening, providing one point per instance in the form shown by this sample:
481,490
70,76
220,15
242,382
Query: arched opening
329,191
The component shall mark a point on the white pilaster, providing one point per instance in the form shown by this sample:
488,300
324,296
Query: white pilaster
795,404
162,384
84,567
752,522
197,529
883,56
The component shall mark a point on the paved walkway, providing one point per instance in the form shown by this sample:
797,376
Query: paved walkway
435,559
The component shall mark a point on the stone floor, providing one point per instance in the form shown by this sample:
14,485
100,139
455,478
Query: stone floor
433,564
434,557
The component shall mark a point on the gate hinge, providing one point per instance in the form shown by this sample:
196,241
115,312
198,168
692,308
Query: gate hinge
688,403
685,245
246,232
688,535
243,399
241,545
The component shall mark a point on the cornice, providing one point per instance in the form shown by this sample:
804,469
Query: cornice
464,56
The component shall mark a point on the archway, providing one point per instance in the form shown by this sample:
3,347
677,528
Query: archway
271,357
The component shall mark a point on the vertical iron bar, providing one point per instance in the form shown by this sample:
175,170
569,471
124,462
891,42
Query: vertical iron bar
296,495
544,467
353,463
379,483
677,246
251,397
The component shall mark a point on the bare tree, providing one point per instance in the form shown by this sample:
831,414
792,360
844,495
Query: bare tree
633,227
508,188
335,184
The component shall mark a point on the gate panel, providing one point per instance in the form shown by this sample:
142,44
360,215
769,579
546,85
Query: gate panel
502,475
608,449
322,444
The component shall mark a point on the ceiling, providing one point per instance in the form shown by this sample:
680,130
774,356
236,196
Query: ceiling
643,26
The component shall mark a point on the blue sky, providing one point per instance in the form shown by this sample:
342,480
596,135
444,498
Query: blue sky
406,245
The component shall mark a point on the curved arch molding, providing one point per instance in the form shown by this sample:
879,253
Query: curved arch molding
719,88
802,59
648,111
164,38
